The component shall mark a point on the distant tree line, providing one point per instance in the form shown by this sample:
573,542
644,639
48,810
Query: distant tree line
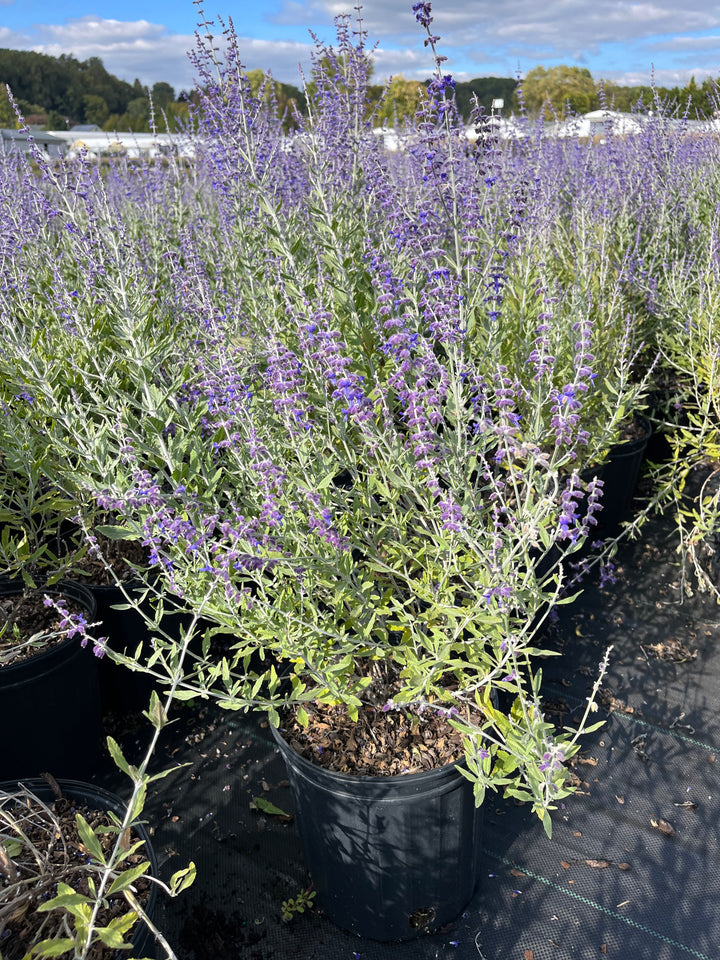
58,92
563,90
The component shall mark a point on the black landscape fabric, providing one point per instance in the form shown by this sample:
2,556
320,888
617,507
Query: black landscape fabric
631,870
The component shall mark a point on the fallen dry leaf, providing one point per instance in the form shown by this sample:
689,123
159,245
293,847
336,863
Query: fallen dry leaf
598,864
588,761
664,827
518,873
620,799
576,833
564,864
529,955
624,866
603,948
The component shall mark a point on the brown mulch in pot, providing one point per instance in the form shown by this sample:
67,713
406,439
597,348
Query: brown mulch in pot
120,555
28,613
376,744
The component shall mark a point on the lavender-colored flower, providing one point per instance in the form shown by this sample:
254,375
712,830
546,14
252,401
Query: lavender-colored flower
422,13
553,759
452,515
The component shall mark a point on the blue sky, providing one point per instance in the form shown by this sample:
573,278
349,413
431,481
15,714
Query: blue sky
615,39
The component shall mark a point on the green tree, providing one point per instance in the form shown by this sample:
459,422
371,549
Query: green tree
618,97
287,98
8,120
29,108
139,110
96,109
710,97
486,89
402,99
177,114
55,121
162,95
560,88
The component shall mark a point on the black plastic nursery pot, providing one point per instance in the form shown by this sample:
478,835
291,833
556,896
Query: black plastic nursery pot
95,798
620,474
390,858
122,689
50,713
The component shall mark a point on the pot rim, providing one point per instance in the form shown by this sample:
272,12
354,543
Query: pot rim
12,586
448,770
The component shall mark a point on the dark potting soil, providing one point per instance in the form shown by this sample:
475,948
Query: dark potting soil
24,615
631,869
52,852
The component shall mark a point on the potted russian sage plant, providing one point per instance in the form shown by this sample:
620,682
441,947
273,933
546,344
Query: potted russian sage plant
337,472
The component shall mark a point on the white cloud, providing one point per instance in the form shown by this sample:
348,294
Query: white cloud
680,44
569,21
148,50
478,36
661,78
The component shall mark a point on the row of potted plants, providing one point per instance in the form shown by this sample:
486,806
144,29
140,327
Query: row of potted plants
347,417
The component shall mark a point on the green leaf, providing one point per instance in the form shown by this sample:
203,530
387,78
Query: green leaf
66,897
128,877
182,879
156,714
164,773
83,912
138,802
113,935
89,839
52,948
116,533
11,847
260,803
546,822
120,761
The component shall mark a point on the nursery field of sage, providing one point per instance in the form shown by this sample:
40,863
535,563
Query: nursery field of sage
352,405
